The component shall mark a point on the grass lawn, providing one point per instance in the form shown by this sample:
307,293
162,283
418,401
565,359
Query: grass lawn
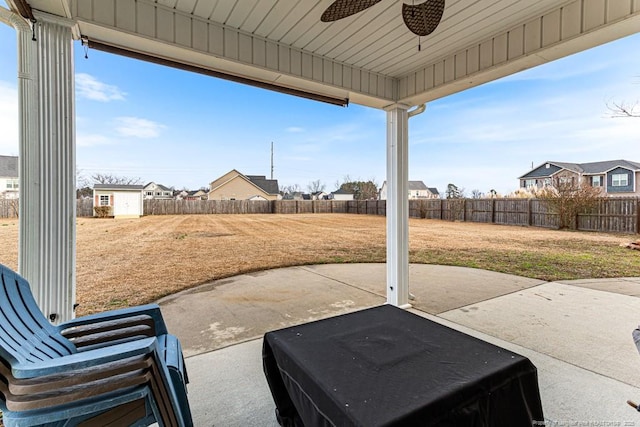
129,262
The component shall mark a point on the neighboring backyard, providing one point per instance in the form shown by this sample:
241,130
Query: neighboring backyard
129,262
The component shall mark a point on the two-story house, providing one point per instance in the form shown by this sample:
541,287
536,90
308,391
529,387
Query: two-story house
9,177
613,177
157,191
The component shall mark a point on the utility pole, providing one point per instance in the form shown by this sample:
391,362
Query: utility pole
271,159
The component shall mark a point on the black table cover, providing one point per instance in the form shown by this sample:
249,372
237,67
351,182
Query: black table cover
385,366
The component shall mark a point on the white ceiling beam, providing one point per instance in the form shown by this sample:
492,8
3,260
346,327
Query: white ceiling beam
155,30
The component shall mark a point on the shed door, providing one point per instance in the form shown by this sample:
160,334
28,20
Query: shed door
126,204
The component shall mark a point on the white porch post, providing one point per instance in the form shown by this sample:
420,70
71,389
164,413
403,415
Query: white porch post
47,244
398,205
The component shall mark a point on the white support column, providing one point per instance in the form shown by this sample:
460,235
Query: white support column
398,205
47,246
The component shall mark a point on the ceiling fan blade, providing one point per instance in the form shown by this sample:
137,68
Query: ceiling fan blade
422,19
342,8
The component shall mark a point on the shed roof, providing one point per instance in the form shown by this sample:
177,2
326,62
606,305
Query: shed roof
118,187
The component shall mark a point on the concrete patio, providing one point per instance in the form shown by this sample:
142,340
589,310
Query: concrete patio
577,333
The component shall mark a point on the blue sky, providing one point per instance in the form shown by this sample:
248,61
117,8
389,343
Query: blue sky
184,130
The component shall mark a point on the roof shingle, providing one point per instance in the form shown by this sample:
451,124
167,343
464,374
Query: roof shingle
9,166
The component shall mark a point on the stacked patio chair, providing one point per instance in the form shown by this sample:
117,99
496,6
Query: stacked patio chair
115,368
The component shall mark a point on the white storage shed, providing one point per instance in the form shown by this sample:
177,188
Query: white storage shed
125,201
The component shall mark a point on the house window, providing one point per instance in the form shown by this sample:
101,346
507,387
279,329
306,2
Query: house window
528,183
596,181
104,200
619,180
12,184
149,193
565,181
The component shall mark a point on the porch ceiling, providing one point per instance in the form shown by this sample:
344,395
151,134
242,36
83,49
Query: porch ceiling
370,58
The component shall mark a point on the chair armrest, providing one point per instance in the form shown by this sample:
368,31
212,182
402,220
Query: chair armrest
151,310
86,359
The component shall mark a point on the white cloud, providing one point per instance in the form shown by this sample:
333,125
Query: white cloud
89,87
8,119
137,127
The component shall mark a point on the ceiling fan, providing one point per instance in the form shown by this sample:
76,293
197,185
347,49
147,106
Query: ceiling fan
422,19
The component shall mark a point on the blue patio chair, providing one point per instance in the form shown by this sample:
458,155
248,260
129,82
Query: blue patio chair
125,370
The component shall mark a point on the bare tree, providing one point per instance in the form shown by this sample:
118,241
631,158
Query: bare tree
11,202
289,191
81,179
624,109
83,185
315,186
568,198
103,178
477,194
453,192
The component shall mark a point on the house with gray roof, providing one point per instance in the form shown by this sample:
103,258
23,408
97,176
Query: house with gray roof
417,190
341,194
613,177
236,186
9,179
157,191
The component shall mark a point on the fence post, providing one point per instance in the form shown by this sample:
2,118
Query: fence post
529,213
493,211
637,216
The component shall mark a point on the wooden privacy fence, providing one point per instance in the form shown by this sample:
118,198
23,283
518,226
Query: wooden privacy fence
183,207
191,207
617,215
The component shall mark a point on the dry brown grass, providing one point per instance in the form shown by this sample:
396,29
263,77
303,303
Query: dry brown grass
129,262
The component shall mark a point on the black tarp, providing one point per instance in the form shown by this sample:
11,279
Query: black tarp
387,367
